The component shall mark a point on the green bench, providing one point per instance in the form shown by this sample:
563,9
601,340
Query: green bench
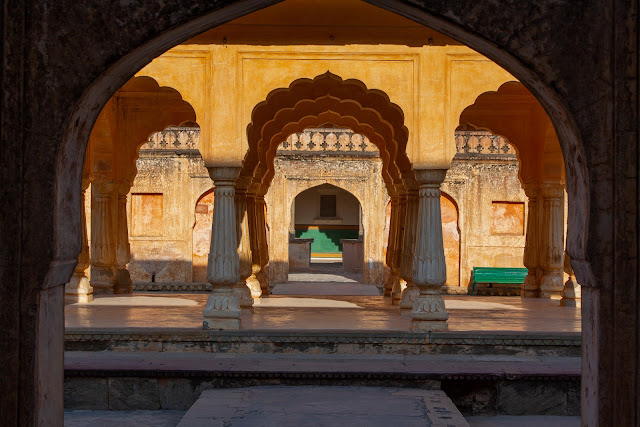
493,275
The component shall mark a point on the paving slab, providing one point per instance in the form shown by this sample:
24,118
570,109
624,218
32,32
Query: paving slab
323,406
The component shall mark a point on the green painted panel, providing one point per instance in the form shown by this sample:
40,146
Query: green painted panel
499,275
326,239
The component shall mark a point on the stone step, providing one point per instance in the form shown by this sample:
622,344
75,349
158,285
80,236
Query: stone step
565,344
323,406
479,384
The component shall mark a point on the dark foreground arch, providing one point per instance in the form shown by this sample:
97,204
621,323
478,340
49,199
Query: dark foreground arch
62,60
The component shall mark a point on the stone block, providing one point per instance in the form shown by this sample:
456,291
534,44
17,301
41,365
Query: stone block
532,398
133,394
86,393
300,254
181,393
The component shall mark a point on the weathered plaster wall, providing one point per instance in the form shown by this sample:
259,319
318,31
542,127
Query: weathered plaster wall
298,172
169,183
487,235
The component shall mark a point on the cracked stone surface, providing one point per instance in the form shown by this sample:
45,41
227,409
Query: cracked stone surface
323,406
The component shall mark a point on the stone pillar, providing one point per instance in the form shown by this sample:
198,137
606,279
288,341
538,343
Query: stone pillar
245,288
222,310
399,284
552,241
429,264
123,283
411,291
571,295
531,285
391,247
79,289
103,253
252,281
263,248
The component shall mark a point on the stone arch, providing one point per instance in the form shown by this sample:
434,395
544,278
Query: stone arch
326,98
141,48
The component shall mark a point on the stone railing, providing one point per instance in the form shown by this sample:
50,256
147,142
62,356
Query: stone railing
482,143
327,139
332,140
173,138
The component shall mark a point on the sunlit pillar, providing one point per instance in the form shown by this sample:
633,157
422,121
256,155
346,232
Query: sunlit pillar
552,233
222,310
244,287
531,285
252,281
263,247
103,252
411,291
123,283
79,289
391,247
429,264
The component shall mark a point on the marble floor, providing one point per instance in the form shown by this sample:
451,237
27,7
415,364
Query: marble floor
316,312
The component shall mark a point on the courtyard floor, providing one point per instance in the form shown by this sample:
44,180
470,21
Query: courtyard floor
321,312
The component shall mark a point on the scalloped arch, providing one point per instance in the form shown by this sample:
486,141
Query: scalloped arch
306,102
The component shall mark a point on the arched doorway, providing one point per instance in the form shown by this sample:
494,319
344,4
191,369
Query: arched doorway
77,133
327,215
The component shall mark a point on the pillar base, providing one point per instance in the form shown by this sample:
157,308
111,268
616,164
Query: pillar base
264,282
530,287
388,284
429,314
123,284
396,291
571,295
222,311
409,295
254,287
78,290
551,286
244,295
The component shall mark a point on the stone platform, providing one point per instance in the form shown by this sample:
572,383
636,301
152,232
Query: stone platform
500,356
323,406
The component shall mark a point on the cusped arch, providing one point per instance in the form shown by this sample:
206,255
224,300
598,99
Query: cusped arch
308,99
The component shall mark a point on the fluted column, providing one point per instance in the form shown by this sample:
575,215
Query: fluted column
79,289
263,248
399,284
222,310
429,264
531,285
411,291
103,252
245,287
391,247
572,293
123,251
552,248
